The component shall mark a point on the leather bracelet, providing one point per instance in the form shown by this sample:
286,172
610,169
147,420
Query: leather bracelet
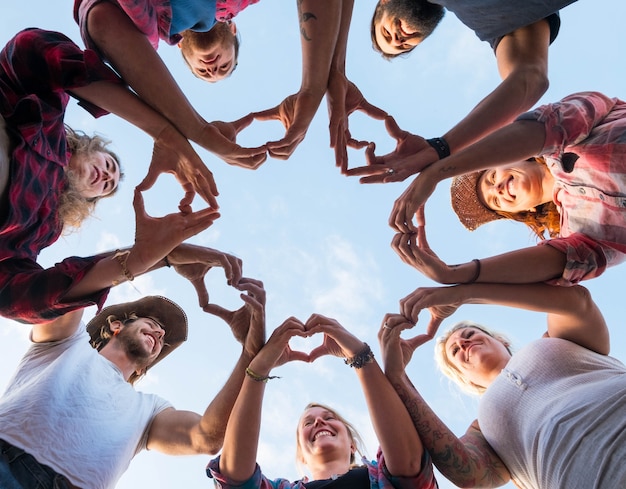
476,273
440,145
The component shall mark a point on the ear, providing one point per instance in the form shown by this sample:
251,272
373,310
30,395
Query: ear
233,27
116,327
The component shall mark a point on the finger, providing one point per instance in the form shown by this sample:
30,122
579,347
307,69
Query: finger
268,114
357,143
318,352
218,311
373,111
138,205
299,356
185,203
201,291
418,341
149,180
204,184
199,222
242,123
420,216
233,269
433,326
393,129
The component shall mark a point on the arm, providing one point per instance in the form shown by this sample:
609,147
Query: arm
155,238
59,329
319,31
572,313
467,461
398,440
522,58
183,432
535,264
515,142
238,458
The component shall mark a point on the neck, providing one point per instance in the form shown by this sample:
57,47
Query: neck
117,356
327,470
547,185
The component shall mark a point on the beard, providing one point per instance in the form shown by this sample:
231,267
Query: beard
134,346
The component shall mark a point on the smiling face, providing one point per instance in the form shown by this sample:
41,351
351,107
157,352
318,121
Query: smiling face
515,188
96,174
478,356
400,25
212,55
323,436
142,339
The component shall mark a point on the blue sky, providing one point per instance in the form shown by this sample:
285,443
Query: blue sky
318,240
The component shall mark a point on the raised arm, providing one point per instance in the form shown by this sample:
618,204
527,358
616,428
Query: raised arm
178,432
516,142
467,461
398,439
572,313
319,30
238,459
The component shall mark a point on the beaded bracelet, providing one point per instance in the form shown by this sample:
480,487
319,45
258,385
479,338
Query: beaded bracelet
440,145
361,358
259,378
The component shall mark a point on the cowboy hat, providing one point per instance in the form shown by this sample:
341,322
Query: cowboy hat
166,312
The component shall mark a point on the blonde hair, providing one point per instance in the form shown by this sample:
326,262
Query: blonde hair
355,437
453,373
74,208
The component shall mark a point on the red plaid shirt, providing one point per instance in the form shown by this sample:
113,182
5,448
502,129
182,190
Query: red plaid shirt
37,69
585,149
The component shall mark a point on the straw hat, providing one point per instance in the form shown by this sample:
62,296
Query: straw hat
465,202
166,312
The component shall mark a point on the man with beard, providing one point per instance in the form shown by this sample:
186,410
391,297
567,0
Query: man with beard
126,34
520,34
70,416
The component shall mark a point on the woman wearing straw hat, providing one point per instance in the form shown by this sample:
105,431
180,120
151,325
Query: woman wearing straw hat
560,169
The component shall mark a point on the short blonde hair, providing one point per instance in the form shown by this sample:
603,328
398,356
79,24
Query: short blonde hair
453,373
355,437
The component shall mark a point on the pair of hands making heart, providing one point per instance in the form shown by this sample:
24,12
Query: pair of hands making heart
297,111
337,341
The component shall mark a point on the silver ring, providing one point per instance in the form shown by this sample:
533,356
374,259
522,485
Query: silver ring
391,171
385,326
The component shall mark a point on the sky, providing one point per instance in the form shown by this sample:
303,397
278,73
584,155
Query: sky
318,240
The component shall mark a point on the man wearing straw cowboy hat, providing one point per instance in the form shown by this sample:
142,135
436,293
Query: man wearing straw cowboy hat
70,416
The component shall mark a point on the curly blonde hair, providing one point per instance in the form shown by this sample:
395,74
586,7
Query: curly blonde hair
73,207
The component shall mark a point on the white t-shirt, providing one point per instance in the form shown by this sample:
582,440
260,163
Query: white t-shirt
556,416
72,410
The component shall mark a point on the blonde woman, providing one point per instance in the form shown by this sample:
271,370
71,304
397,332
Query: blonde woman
551,415
326,442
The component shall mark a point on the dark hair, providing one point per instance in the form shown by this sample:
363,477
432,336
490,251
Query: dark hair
428,15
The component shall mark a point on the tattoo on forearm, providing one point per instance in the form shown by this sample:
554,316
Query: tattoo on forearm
447,169
304,17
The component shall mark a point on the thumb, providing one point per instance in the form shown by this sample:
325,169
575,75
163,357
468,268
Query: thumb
149,180
201,290
138,204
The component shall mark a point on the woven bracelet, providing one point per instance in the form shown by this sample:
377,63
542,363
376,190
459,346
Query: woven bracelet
476,273
259,378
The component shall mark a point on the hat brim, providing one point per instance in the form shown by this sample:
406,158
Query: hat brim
169,315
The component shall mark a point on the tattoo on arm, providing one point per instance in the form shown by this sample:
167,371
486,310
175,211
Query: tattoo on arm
304,17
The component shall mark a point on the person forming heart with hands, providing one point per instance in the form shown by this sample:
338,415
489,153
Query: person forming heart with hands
326,443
